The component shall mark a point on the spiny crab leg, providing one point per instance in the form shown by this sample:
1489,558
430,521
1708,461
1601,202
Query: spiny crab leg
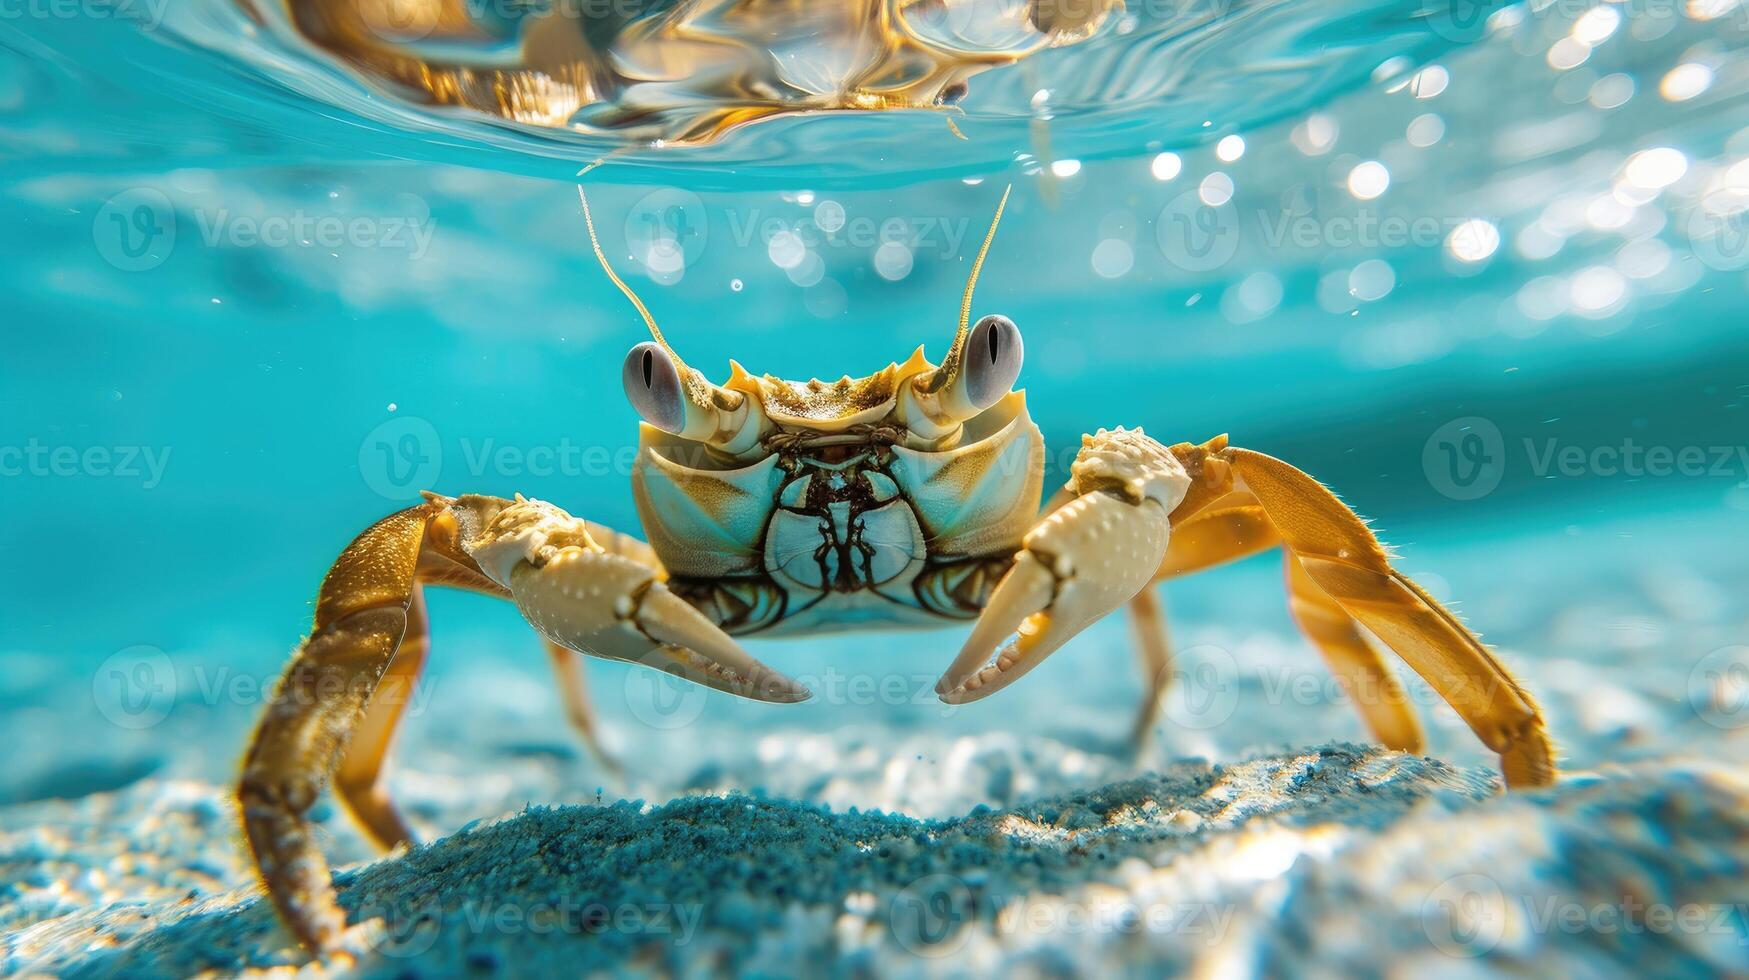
585,598
572,588
1081,561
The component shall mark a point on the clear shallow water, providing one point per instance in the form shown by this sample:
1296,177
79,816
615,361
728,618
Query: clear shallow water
261,300
1481,269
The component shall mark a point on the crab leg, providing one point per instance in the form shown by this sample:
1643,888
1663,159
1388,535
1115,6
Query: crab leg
1154,654
574,697
1235,526
359,781
1341,555
574,591
1099,548
1355,661
361,615
1226,530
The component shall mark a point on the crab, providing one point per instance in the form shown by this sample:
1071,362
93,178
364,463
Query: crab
909,497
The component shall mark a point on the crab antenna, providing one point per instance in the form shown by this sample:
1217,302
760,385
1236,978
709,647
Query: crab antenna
643,311
977,266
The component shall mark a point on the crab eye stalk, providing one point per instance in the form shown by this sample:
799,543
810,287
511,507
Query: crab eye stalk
992,358
978,372
980,367
679,401
653,386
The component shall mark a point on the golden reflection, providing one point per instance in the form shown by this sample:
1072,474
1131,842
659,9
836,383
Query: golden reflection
685,71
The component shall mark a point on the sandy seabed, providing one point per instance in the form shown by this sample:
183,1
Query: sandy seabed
1335,859
867,834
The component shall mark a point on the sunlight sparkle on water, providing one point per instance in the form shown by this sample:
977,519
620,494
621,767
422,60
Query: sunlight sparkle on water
1473,241
1166,166
1317,135
1656,168
1568,53
1429,82
1368,180
893,261
1372,280
1112,258
1425,130
829,216
1216,189
1596,25
1685,81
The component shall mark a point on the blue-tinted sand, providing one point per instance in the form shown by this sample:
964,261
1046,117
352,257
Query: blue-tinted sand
1480,270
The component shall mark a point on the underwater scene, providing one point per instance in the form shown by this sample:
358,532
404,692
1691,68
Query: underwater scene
529,487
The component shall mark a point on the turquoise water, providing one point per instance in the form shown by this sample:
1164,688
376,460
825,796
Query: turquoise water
1481,269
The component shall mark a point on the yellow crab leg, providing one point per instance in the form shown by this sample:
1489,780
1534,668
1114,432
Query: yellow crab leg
359,781
1104,543
1341,555
1234,527
573,589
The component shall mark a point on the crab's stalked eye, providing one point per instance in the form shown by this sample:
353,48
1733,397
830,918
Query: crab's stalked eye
653,385
992,353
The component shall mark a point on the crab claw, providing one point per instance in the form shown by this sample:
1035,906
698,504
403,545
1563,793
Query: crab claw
613,607
1082,561
593,601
